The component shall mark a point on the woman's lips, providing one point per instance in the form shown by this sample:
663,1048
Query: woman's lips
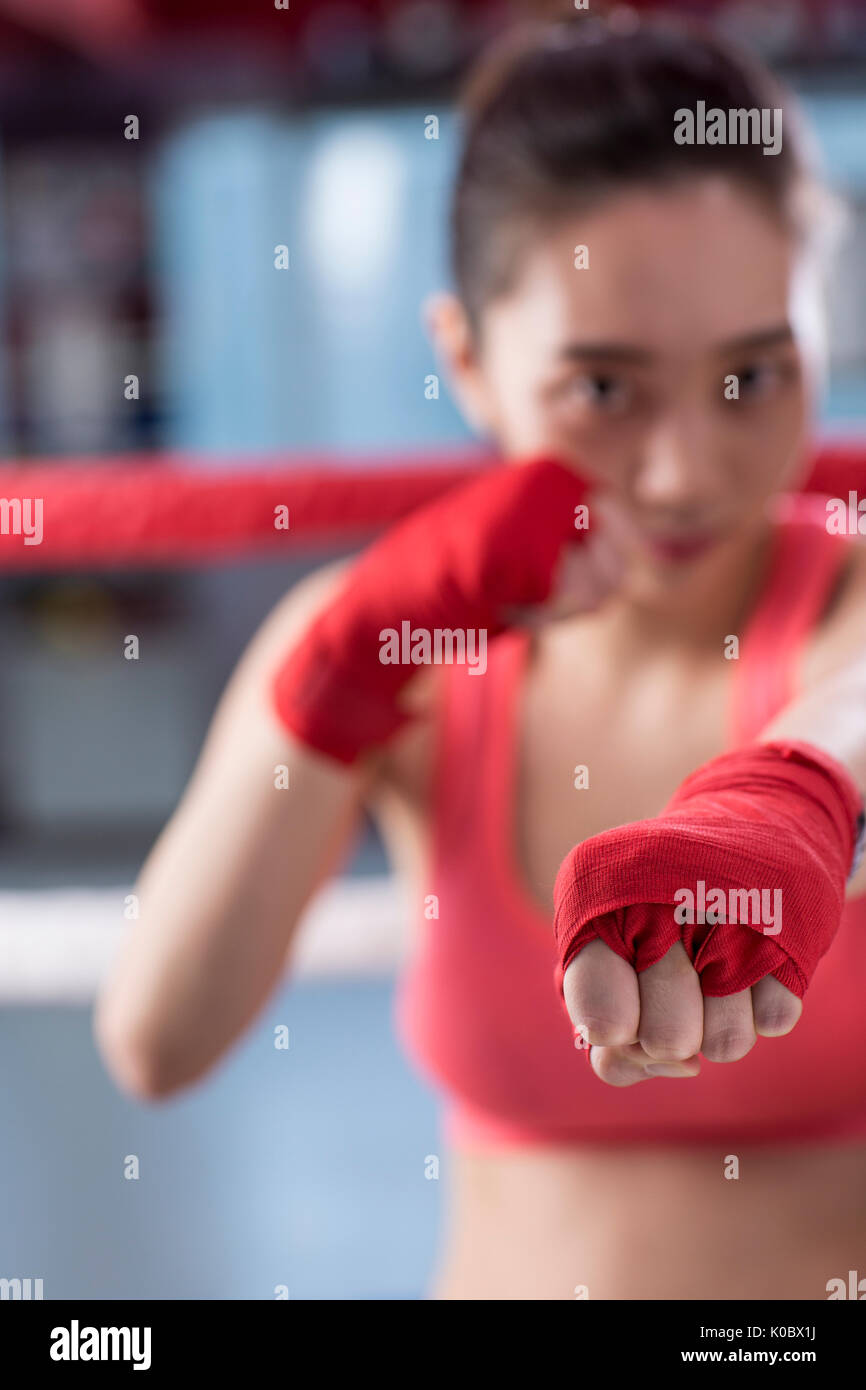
681,549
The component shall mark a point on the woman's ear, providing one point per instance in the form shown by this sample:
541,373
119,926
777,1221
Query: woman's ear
448,327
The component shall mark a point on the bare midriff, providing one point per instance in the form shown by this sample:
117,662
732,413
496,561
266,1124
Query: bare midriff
652,1223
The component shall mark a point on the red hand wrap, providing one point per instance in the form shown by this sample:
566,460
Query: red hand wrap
771,819
456,564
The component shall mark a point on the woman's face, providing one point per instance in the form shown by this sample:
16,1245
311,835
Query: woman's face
675,367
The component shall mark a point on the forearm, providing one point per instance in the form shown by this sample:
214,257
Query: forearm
832,716
218,899
260,824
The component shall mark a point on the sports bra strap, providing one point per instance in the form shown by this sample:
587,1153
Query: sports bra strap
805,564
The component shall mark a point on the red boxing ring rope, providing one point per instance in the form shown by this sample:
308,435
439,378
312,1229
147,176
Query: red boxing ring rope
161,511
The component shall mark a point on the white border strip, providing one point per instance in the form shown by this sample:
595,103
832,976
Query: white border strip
55,946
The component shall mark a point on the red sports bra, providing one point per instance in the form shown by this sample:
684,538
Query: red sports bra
477,1008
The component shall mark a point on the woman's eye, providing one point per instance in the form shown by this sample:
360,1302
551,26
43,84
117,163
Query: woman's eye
758,378
601,392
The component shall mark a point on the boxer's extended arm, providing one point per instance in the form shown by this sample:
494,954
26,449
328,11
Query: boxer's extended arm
662,1006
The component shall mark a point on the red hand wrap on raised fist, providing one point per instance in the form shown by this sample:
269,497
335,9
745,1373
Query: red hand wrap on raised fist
764,835
456,564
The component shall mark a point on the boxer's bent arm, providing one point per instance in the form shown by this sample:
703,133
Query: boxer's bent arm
226,881
832,716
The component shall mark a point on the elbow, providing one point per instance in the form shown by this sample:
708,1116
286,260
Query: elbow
137,1065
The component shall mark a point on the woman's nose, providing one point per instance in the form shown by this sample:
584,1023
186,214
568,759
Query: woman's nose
678,469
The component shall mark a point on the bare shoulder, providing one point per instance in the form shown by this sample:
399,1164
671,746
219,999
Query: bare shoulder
404,761
290,618
246,700
294,612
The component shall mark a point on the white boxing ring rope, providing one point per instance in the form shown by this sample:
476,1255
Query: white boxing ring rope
57,944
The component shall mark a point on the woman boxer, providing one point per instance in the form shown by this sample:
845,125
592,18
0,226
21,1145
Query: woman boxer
671,664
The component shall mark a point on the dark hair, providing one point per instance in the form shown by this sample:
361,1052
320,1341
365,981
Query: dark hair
559,114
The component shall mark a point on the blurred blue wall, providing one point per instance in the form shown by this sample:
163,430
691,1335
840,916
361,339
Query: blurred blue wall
330,353
303,1168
